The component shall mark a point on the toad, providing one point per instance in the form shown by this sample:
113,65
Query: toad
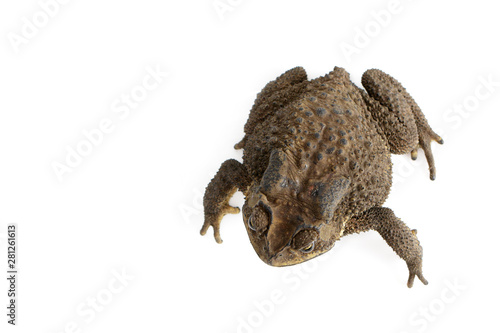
317,166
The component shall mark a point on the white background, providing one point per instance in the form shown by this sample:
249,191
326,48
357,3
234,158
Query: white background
133,205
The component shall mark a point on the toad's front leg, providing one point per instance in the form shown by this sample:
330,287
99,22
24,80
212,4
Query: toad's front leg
231,176
402,239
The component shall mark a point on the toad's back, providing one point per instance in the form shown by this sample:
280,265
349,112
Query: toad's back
328,130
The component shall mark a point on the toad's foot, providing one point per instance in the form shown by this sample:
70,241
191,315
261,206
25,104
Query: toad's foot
415,268
214,220
425,136
231,176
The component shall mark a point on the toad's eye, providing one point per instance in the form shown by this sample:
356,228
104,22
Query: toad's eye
308,248
258,219
305,240
251,223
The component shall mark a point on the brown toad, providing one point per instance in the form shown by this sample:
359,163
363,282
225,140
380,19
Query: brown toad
317,166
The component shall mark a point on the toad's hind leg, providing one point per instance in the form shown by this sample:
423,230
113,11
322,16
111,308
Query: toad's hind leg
401,120
275,95
402,239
